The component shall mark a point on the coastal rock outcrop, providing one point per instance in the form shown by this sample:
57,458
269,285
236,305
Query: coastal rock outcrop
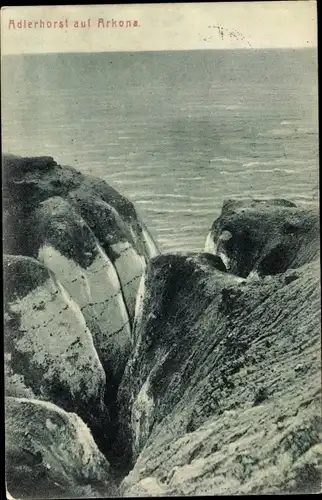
49,350
222,392
35,190
29,181
267,237
96,247
197,374
51,454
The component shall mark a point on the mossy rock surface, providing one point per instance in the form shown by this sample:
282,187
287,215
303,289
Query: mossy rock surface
222,392
268,237
51,454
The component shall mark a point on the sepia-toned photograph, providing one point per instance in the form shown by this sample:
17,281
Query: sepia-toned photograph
161,250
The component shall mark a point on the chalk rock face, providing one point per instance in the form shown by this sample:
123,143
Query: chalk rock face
267,237
112,218
222,392
51,454
69,249
118,242
49,350
89,236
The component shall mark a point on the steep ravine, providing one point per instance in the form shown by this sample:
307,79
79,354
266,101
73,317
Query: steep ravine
222,392
223,396
194,373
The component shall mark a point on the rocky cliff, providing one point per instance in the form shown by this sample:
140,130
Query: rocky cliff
75,251
221,394
197,374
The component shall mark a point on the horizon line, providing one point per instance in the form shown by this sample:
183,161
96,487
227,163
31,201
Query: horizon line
217,49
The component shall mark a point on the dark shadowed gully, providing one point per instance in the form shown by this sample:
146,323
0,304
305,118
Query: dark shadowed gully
178,374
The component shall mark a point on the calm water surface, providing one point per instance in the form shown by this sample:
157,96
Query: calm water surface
176,132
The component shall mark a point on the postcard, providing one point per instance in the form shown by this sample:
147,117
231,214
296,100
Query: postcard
161,249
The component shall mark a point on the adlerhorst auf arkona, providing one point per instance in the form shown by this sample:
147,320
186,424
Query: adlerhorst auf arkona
67,23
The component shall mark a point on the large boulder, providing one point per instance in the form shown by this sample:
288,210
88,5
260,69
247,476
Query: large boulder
221,394
266,237
51,454
49,350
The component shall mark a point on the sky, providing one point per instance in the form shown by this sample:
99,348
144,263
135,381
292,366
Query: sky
216,25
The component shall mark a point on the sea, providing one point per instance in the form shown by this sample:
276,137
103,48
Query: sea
175,132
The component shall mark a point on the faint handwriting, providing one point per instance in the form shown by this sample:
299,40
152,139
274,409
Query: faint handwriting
231,34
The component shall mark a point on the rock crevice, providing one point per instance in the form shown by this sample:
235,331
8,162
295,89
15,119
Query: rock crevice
196,373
